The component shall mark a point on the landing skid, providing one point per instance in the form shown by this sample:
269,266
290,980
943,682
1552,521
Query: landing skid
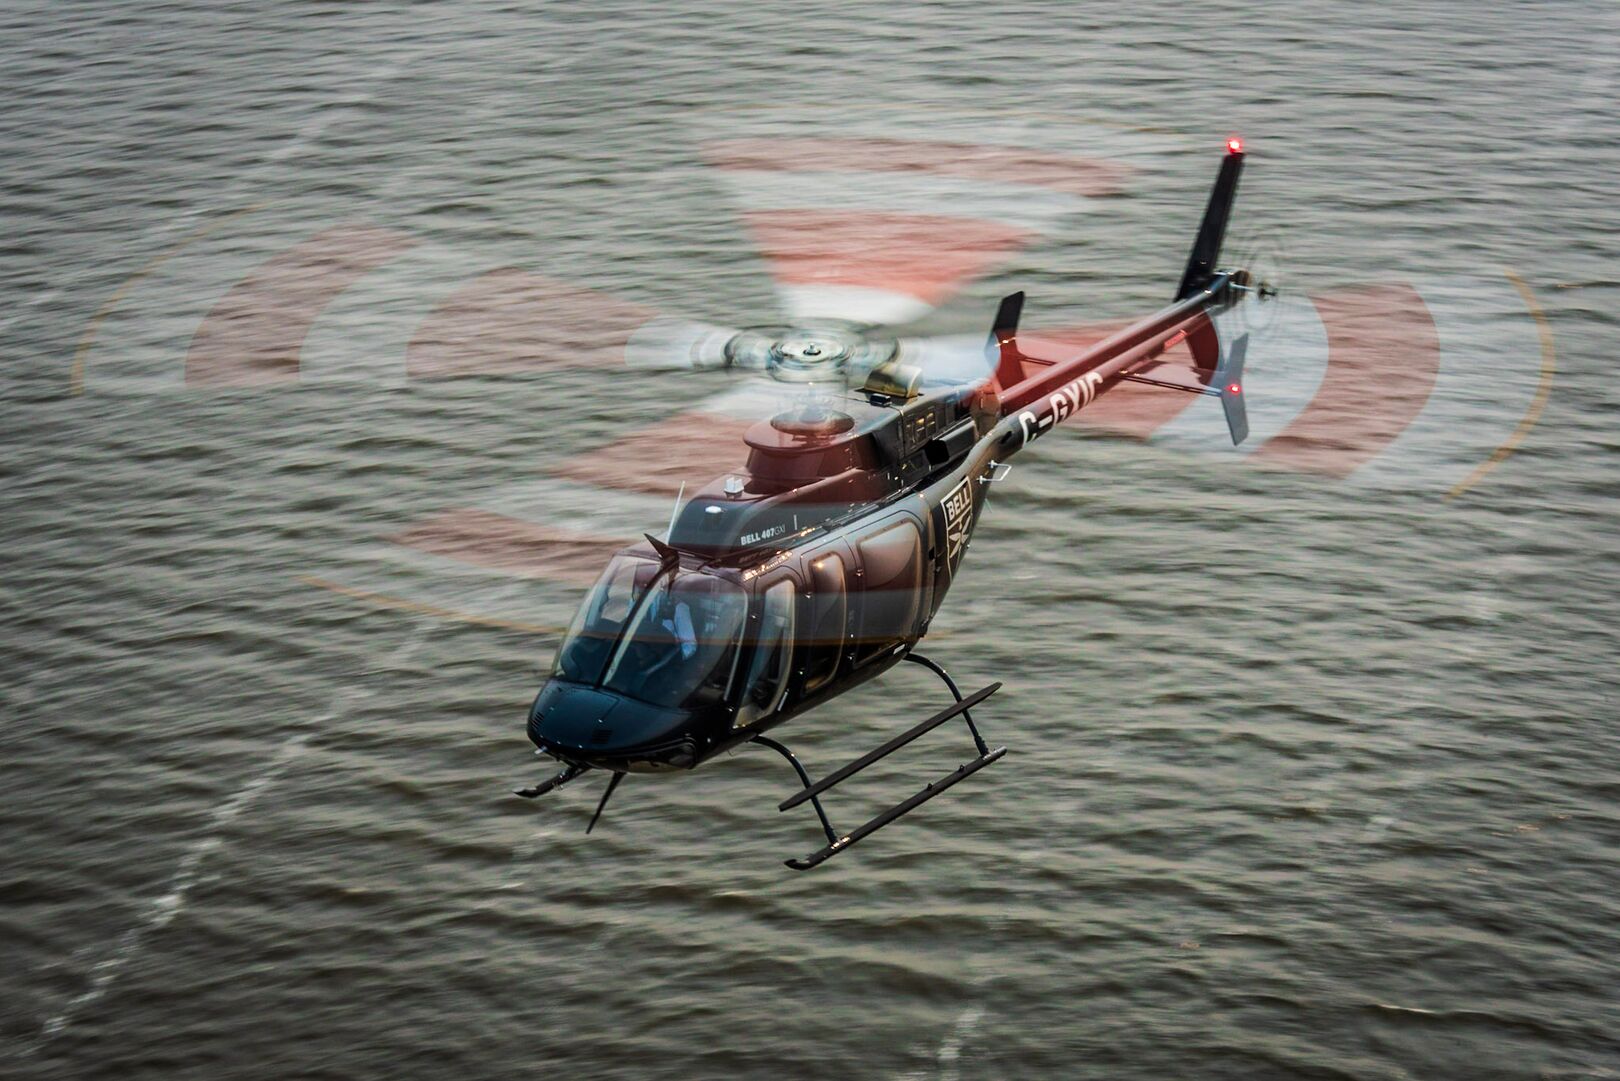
550,783
812,790
563,778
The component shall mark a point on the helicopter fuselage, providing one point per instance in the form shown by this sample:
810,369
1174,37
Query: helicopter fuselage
841,575
823,563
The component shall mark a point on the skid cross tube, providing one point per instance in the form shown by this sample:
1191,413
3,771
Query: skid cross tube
810,791
978,740
899,809
832,835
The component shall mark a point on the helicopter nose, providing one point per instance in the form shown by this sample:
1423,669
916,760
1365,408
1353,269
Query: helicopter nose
578,722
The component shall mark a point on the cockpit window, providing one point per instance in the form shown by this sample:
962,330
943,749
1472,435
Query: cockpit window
766,680
679,648
588,645
679,645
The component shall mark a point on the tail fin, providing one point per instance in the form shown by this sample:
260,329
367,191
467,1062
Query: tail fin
1002,348
1207,248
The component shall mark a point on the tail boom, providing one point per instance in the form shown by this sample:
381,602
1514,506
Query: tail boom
1056,391
1038,394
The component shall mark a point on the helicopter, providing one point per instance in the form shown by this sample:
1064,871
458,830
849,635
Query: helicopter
821,565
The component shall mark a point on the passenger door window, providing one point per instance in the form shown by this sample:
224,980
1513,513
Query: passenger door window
891,575
771,635
827,614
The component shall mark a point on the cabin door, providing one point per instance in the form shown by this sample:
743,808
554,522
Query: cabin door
890,574
825,631
766,657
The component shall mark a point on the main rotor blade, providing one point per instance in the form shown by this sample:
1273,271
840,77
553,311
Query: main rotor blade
948,359
671,344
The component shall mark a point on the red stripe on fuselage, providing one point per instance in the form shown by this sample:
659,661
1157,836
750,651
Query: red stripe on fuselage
1129,409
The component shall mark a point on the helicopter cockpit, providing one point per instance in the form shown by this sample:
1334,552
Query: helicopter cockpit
657,633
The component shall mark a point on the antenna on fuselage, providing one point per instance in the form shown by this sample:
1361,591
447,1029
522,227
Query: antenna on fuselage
675,511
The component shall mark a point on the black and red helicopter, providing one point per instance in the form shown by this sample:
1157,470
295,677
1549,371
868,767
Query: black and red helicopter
820,565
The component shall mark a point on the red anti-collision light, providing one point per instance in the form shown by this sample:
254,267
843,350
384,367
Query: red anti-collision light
1234,389
1234,145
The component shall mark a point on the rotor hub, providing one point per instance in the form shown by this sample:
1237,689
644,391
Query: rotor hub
813,423
815,354
809,356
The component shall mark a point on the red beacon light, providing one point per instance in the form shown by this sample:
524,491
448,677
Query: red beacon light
1234,145
1234,388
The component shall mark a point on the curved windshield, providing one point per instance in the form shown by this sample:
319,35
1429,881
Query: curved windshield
588,645
676,647
680,647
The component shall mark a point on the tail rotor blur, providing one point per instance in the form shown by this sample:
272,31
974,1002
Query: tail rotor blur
1259,258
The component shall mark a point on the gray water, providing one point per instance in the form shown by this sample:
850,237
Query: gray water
1307,778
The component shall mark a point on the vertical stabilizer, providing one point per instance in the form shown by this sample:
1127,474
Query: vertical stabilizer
1206,250
1002,348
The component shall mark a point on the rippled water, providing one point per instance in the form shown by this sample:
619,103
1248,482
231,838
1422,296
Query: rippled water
1307,778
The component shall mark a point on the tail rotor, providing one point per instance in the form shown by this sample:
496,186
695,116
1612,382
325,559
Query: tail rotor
1259,259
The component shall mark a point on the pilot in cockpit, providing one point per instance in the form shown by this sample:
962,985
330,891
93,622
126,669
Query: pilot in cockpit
675,617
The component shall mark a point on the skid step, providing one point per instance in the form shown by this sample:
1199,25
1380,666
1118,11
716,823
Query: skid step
905,807
844,772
